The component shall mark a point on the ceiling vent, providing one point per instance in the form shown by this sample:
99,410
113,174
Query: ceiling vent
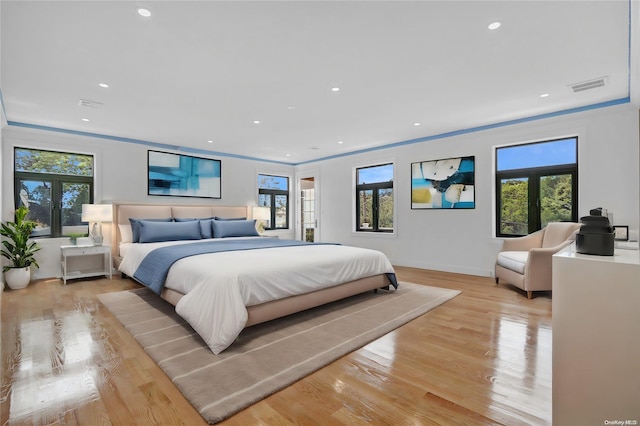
588,85
89,104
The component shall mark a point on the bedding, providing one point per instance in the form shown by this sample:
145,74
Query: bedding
218,287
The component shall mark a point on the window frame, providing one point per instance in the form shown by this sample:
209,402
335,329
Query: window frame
533,176
375,201
273,193
57,181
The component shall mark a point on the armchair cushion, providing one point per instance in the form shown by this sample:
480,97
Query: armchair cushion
513,260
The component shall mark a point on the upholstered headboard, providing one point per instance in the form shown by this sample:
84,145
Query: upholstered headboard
122,212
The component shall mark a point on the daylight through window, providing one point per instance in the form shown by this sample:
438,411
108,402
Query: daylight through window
273,192
53,186
536,183
374,198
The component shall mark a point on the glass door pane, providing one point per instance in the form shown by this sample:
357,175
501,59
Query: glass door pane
385,210
555,199
365,204
264,200
74,195
514,206
36,196
308,214
281,211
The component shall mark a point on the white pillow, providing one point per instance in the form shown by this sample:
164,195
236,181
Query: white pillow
126,235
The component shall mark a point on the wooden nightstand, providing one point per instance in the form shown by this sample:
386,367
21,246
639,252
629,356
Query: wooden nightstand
78,268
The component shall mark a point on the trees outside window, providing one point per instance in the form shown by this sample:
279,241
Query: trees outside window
374,198
536,184
53,186
273,192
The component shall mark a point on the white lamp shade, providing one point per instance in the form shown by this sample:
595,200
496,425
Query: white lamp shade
97,212
261,213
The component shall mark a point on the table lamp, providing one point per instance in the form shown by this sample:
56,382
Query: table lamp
261,214
95,214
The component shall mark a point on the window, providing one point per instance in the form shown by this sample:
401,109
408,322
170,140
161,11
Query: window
273,192
536,183
53,186
374,198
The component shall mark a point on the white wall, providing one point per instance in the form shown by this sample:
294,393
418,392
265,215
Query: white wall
463,240
458,240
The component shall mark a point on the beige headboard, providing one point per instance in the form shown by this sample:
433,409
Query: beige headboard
122,212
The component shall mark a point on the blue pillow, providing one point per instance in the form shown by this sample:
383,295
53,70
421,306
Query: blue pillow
135,227
153,232
234,228
206,228
229,218
206,231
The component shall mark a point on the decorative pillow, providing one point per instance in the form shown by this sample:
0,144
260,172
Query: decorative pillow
206,228
229,218
135,227
125,233
234,228
153,232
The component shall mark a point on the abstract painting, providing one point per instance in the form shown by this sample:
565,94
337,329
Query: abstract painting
443,184
183,175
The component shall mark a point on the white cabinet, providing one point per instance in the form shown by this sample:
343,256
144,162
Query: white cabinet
81,262
596,338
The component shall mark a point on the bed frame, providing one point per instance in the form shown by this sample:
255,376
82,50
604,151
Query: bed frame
257,313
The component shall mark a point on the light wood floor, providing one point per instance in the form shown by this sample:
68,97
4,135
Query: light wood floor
483,358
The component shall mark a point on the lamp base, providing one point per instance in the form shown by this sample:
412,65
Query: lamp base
96,234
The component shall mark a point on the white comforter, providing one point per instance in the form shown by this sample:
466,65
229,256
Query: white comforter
219,286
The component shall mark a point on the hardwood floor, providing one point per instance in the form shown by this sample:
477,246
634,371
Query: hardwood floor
483,358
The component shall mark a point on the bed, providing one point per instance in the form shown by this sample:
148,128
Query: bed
223,291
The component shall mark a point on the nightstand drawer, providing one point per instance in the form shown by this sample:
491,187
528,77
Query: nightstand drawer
84,250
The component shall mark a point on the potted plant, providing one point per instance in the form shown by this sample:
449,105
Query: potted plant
73,238
18,249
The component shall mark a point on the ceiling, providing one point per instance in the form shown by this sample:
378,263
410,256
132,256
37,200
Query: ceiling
202,71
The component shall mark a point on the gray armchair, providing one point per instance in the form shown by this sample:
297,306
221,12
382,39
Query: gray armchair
525,262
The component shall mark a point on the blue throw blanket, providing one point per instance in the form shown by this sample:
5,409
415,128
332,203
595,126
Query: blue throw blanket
153,270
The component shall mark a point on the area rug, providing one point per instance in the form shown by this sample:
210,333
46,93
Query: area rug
267,357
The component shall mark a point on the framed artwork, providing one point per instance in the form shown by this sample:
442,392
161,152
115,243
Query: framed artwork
621,233
183,175
443,184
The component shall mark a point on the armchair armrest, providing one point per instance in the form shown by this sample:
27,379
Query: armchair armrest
533,240
538,272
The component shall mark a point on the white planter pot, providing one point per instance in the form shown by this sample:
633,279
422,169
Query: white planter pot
17,278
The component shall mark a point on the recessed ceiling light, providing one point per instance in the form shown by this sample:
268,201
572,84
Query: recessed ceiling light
144,12
85,119
340,142
288,155
335,89
104,85
544,95
256,121
210,141
416,124
494,25
291,107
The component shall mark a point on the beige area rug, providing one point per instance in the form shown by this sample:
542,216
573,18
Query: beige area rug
266,357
